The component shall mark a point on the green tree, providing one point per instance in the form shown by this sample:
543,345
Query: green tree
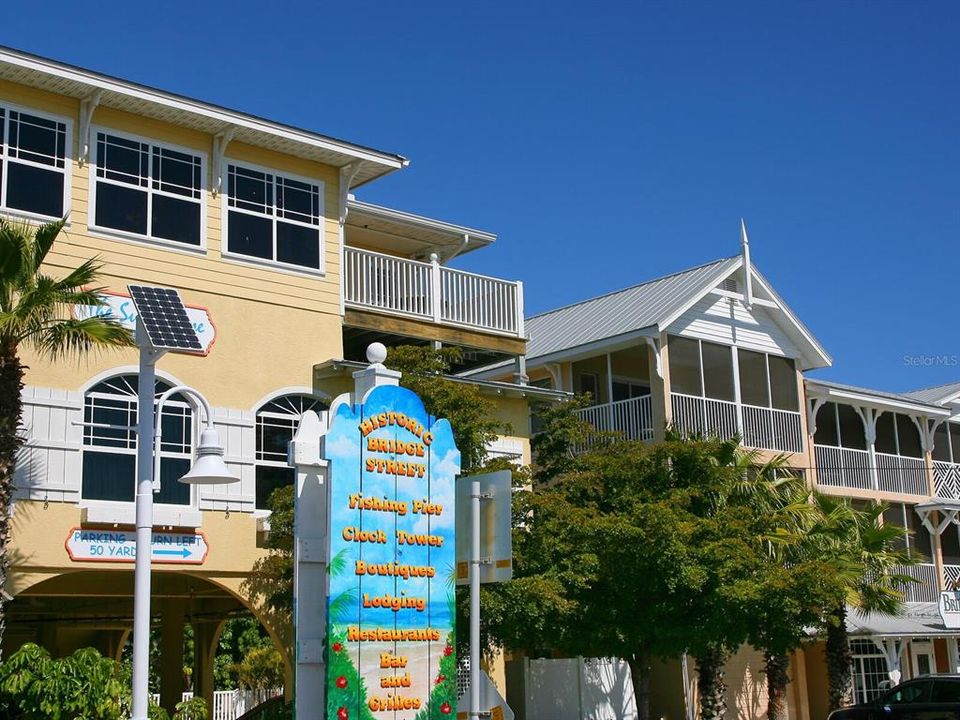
469,412
35,314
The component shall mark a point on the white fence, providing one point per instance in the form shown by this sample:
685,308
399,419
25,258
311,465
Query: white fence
571,689
431,292
900,474
632,418
760,427
231,704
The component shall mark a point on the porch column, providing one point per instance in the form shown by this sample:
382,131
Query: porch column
206,636
891,647
661,408
926,445
171,653
953,654
869,416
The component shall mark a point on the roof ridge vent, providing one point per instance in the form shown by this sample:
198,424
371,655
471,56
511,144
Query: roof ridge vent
730,284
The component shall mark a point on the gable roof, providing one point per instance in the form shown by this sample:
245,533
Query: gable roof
648,309
621,312
938,394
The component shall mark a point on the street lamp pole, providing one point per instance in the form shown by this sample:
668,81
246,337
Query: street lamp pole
209,468
146,389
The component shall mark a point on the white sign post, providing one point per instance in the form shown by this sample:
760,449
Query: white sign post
98,545
496,546
491,702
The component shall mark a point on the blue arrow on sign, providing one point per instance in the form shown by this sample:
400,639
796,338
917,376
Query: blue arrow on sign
182,552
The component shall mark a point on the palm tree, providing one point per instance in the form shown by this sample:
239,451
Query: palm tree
35,314
869,557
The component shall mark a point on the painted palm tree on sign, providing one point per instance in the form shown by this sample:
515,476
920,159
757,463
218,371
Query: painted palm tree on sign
35,314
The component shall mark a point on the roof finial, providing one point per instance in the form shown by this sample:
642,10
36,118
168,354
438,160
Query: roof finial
747,268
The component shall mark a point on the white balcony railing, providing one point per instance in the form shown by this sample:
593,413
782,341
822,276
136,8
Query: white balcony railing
952,573
900,474
843,467
772,429
946,478
928,589
431,292
632,418
760,427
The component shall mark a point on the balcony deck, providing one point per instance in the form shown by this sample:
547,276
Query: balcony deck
851,468
431,293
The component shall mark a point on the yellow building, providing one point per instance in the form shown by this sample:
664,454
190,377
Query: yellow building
287,277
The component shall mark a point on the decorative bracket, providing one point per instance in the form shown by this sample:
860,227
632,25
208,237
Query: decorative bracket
220,142
947,516
927,427
347,173
869,416
813,407
652,344
87,106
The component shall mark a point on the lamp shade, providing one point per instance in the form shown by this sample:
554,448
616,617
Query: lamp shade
209,469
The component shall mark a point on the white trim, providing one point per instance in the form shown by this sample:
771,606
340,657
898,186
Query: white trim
225,211
289,390
68,157
49,67
852,397
113,233
117,372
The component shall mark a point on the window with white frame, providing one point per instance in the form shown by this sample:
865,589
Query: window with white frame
147,189
277,423
274,217
870,676
33,163
110,443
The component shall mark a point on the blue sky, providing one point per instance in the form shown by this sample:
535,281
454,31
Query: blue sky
610,143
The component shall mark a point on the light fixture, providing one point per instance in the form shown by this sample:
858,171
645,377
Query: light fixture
209,469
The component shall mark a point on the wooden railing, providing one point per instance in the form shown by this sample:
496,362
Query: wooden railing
759,427
632,418
429,291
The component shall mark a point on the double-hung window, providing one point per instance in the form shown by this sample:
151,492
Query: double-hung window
274,217
148,190
33,163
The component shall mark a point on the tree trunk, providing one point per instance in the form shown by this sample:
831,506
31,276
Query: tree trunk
711,685
839,676
777,665
11,406
640,675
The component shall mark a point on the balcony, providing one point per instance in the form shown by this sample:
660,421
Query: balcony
759,427
632,418
430,292
851,468
928,587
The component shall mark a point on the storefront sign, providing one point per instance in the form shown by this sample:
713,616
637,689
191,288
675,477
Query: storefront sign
108,545
950,609
120,307
391,608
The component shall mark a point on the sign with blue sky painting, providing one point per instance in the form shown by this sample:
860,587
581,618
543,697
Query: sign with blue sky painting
391,608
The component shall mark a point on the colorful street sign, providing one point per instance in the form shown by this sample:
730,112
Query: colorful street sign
109,545
391,608
120,308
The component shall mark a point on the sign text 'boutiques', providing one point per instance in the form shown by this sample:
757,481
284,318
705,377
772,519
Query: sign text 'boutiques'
391,608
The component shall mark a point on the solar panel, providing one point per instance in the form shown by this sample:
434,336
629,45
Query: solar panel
164,318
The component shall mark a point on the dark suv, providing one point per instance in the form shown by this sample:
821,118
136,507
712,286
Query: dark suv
932,697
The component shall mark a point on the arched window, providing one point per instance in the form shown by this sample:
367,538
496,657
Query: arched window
276,423
110,442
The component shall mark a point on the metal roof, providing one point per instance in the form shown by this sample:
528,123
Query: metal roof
937,395
620,312
917,620
72,81
880,395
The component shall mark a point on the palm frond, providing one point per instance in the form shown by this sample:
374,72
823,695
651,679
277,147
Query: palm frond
75,336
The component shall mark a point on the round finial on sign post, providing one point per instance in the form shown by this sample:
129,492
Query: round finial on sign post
376,353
